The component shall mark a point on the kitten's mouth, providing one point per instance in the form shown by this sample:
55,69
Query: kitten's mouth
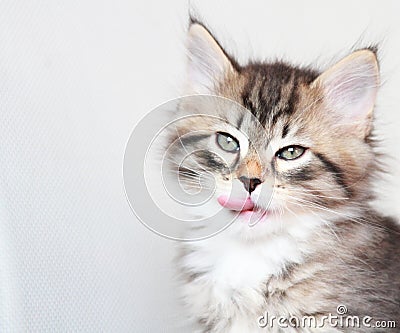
246,208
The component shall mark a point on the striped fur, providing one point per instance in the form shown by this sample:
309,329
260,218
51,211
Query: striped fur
323,245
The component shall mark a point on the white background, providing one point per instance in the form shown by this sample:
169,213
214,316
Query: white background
75,77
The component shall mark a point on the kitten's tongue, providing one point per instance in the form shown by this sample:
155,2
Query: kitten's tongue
235,203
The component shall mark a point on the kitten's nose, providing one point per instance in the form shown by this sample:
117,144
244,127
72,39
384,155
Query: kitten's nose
250,184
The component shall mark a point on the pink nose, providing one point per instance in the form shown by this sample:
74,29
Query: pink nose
235,203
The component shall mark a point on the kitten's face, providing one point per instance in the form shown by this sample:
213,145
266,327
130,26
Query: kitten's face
281,143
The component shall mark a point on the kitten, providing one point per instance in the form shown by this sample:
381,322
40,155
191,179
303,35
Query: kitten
316,243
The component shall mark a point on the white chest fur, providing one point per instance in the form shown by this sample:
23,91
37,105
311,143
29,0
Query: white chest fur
228,277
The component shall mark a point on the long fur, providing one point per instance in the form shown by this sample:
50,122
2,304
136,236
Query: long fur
322,244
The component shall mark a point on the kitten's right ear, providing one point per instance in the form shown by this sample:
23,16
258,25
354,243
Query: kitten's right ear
207,64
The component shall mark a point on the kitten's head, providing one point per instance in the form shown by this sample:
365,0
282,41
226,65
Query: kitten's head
303,147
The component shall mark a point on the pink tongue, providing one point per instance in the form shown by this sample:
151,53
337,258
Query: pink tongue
235,204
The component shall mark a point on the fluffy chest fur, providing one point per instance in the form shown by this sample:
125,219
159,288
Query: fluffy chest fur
229,284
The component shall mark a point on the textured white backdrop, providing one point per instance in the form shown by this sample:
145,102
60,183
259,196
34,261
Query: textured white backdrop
75,77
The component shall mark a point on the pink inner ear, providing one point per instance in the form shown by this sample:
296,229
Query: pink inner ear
207,62
350,87
235,203
352,97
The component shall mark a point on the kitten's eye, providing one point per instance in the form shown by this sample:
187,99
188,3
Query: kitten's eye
290,152
227,142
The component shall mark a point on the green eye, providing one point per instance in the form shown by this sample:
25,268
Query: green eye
290,152
227,142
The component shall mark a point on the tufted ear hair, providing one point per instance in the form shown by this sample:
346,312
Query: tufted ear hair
349,88
207,63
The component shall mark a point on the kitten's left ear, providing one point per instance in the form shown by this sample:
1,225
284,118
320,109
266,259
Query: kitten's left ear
207,64
349,88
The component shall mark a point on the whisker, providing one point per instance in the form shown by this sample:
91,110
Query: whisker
305,203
